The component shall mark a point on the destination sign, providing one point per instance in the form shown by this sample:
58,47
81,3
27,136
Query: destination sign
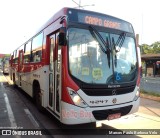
102,22
98,19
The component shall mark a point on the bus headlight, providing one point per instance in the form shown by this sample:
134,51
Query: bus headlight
137,94
77,100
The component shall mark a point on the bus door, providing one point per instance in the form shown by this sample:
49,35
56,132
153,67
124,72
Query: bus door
20,65
54,95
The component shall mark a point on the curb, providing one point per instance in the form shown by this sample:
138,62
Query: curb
151,97
151,78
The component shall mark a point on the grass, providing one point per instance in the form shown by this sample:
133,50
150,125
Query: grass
150,93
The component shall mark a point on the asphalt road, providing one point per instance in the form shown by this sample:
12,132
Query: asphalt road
17,110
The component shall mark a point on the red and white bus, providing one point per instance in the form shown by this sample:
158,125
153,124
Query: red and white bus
81,66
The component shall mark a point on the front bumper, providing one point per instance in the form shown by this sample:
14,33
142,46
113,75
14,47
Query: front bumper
71,114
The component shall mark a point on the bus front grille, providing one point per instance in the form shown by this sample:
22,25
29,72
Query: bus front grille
108,91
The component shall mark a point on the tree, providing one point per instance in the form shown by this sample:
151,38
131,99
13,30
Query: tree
145,49
150,49
156,47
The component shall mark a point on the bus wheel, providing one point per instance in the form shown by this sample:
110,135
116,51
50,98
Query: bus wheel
38,98
14,81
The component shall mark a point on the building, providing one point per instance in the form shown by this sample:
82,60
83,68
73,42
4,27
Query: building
151,65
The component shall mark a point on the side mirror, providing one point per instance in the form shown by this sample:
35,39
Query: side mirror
62,36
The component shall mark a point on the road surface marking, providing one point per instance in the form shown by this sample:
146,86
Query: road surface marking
33,120
10,113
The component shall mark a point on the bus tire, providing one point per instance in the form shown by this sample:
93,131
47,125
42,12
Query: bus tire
38,97
14,81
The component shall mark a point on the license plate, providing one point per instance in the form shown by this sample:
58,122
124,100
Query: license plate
114,116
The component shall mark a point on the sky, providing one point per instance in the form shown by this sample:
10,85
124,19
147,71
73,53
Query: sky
20,19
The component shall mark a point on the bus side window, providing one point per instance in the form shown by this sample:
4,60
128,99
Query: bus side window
27,52
36,55
37,48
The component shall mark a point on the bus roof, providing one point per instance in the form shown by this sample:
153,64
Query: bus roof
90,17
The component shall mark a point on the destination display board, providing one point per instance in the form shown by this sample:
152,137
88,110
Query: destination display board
93,18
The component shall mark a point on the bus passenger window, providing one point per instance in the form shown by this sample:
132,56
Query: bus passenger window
37,48
27,52
36,55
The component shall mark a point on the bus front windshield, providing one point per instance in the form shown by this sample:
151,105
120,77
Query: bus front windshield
101,57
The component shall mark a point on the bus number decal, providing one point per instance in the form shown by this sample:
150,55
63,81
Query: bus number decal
98,101
36,75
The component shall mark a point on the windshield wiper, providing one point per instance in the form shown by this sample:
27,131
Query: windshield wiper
114,54
117,46
120,42
102,44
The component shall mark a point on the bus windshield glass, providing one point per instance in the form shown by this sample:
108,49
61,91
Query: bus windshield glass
101,57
